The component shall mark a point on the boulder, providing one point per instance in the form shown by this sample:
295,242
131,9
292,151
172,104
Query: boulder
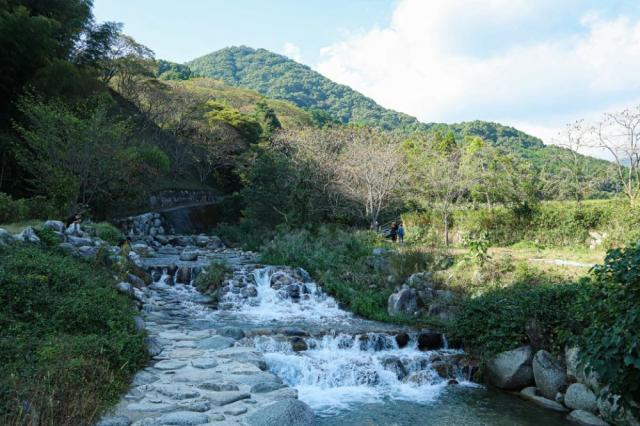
54,225
74,230
153,346
28,235
549,375
404,302
290,412
264,387
402,339
531,394
136,280
67,248
216,342
298,344
79,241
88,252
124,288
233,332
6,238
580,397
511,369
183,276
139,323
443,311
584,418
189,255
430,341
577,372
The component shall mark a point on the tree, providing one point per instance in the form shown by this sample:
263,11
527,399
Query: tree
267,118
440,175
371,170
619,134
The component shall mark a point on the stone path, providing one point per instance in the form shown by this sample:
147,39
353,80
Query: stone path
198,375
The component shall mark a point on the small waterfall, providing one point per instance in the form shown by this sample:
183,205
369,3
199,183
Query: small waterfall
332,358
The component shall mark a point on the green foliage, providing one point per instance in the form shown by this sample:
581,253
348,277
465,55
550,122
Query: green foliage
171,71
26,208
48,237
607,323
108,232
248,127
68,343
495,321
267,118
478,249
211,279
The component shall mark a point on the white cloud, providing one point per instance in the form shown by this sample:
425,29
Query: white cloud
513,61
292,51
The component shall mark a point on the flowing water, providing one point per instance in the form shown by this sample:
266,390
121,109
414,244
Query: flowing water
349,370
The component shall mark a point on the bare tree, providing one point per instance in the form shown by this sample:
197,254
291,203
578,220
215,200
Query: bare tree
576,172
619,134
372,169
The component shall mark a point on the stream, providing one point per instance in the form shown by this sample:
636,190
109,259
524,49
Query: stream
291,339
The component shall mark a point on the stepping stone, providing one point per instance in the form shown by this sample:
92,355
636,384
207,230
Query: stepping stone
199,406
216,417
185,344
218,387
177,392
169,364
149,407
185,353
236,411
204,363
115,421
227,397
184,418
175,335
144,378
216,343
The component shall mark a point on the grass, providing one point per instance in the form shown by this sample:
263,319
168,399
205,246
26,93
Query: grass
68,342
17,227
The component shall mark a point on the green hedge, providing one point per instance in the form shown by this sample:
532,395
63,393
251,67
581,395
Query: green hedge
68,343
26,208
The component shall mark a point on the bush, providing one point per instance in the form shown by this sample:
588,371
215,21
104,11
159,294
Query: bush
48,237
108,232
210,280
26,208
496,321
68,343
608,323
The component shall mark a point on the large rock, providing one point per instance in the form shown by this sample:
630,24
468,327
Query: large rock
430,341
577,372
216,342
6,238
584,418
79,241
88,252
28,235
404,302
511,369
54,225
549,375
114,421
189,255
531,394
580,397
124,288
290,412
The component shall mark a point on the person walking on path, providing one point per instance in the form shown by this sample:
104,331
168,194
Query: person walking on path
401,233
394,232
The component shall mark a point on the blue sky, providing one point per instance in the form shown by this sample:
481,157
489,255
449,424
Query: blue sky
533,64
183,30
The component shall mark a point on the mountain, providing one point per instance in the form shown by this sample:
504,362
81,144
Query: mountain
279,77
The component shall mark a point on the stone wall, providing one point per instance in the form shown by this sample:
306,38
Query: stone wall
168,199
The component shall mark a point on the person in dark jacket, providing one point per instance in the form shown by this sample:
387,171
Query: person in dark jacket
394,232
401,233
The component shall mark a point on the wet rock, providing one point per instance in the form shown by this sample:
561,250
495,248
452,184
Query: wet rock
264,387
290,412
114,421
549,375
227,397
216,342
235,411
452,382
204,363
430,341
404,302
88,252
183,276
531,394
394,364
189,256
153,346
184,418
511,369
144,378
584,418
580,397
298,344
136,281
169,364
402,340
293,331
139,322
79,241
219,387
233,332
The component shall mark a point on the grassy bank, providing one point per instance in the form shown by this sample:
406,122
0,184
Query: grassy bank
68,343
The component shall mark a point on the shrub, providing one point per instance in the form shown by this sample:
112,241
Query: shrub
68,343
48,237
108,232
608,323
12,210
211,279
495,321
